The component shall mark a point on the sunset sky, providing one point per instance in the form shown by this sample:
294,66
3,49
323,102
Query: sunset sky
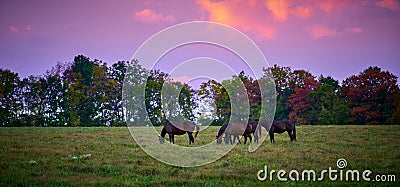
329,37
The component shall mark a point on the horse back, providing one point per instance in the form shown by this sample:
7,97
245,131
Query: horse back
236,128
186,126
253,125
189,126
171,128
282,126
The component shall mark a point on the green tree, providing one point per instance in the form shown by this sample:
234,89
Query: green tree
116,76
327,106
81,93
282,77
9,106
216,93
134,102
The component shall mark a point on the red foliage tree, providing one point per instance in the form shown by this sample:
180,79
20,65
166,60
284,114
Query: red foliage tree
370,95
299,102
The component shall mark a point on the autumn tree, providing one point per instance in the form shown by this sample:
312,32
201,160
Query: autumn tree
371,96
395,119
300,104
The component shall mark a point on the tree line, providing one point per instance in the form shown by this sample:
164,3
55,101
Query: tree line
87,92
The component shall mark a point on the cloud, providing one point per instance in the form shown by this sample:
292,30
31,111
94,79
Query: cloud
252,3
357,30
13,29
244,15
28,28
318,31
302,11
268,18
183,79
279,9
149,16
393,5
328,6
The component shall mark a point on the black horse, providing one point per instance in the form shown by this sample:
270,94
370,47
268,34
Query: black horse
254,128
179,129
235,130
281,127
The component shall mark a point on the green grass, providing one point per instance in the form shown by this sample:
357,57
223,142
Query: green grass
117,160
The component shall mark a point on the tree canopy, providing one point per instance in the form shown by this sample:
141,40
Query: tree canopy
87,92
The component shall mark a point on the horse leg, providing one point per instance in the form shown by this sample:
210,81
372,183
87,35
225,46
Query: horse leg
290,135
294,132
191,139
250,138
171,137
255,137
271,137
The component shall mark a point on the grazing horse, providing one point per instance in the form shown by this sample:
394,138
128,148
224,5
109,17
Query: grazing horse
254,128
281,127
179,129
234,129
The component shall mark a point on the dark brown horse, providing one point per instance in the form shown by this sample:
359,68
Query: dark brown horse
235,130
179,129
254,127
280,127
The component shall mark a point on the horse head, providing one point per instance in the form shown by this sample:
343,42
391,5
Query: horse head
219,139
161,139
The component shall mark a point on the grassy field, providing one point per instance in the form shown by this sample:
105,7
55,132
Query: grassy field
109,156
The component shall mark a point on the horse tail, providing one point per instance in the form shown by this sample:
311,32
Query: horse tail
294,132
197,131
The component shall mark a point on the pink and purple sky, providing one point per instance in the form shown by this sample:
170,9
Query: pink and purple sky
330,37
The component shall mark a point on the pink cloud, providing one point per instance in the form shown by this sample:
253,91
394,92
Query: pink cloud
266,17
149,16
279,9
239,14
318,31
328,6
393,5
252,3
356,30
28,28
13,29
183,79
301,11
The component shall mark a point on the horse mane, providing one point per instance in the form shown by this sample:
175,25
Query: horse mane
222,130
197,130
